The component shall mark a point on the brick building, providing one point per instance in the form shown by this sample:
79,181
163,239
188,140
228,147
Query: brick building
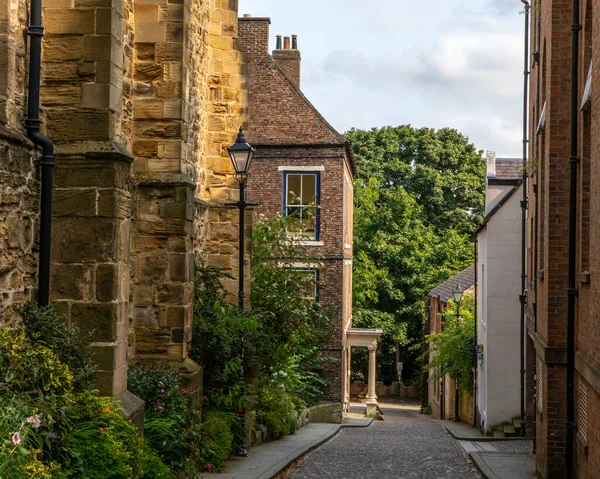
548,238
441,393
302,166
141,106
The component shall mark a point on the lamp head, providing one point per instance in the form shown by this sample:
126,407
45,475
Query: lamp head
241,153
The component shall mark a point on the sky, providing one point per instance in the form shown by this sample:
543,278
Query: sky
433,63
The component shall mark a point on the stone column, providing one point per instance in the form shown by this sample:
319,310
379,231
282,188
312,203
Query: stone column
348,372
371,396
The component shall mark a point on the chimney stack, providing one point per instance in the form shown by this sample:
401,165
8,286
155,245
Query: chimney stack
491,163
288,57
253,35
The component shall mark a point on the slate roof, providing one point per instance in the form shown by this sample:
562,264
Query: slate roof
466,279
508,168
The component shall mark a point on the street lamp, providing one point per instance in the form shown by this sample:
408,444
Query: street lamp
241,153
457,294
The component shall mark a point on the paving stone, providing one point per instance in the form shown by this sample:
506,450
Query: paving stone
405,445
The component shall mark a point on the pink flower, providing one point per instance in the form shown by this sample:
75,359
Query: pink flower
34,421
209,468
184,391
101,429
16,438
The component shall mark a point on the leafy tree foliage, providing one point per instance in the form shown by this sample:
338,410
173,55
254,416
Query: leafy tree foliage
453,348
418,199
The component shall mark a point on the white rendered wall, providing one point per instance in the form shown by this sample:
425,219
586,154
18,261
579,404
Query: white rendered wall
499,313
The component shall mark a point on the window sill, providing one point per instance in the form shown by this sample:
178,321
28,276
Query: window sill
310,243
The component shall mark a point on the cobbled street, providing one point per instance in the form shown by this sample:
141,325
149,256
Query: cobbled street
406,445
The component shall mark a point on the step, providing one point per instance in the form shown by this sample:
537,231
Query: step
498,433
509,430
517,425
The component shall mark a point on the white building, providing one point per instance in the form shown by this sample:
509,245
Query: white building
498,289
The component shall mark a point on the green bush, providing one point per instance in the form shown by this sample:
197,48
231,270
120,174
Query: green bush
153,468
44,324
276,410
48,431
217,440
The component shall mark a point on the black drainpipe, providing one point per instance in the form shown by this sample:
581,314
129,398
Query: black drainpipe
46,162
535,186
572,289
523,296
475,337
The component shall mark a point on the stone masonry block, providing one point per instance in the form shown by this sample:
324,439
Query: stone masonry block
71,281
58,4
68,125
107,282
60,21
147,71
164,165
146,13
79,202
114,203
97,48
148,109
100,319
84,240
176,316
100,95
63,48
170,293
178,270
150,32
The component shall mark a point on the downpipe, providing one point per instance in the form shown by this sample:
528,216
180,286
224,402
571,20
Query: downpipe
523,296
35,31
475,337
572,289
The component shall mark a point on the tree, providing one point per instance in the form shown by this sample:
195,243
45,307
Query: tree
418,199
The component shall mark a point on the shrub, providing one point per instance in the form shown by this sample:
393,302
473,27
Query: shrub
152,467
217,440
276,408
44,325
48,431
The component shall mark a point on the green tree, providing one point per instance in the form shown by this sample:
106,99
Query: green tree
453,348
418,199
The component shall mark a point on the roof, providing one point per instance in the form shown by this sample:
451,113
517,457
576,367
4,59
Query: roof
465,279
508,169
499,205
280,114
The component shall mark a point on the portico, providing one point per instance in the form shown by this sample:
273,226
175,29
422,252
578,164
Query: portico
359,337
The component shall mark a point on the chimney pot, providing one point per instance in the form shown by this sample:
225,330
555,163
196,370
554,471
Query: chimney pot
286,43
278,44
294,42
247,15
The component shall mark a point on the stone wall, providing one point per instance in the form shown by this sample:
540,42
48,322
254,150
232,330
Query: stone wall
396,390
18,180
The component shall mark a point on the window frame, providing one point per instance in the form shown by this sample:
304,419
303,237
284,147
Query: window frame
317,173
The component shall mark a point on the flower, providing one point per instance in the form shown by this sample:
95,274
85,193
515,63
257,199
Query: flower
106,409
209,467
34,421
52,436
184,391
16,438
101,429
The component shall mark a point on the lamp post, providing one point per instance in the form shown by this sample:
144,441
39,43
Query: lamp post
457,294
241,153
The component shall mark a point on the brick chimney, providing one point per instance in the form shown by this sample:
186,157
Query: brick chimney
253,35
288,57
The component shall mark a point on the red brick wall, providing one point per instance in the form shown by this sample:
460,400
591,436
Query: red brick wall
552,153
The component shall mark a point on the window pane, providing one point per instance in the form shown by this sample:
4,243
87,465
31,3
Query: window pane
294,189
309,189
